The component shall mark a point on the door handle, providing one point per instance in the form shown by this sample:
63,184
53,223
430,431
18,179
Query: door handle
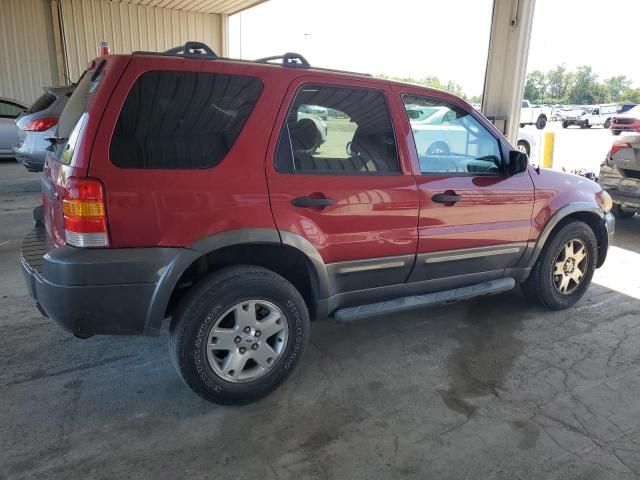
446,198
305,202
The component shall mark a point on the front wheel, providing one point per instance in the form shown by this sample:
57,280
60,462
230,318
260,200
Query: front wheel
565,267
238,334
565,124
615,132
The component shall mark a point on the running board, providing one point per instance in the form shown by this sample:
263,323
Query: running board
425,300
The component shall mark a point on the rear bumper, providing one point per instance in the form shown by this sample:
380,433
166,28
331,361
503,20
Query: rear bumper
32,159
625,127
100,291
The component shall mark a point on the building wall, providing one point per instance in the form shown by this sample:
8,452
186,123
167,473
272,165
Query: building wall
29,29
128,28
27,53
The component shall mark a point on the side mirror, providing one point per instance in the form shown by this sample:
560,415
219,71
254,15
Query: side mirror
518,162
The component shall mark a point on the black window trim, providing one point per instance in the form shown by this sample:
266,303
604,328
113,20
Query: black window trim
338,173
473,114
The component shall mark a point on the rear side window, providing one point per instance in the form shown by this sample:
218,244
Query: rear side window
182,120
333,130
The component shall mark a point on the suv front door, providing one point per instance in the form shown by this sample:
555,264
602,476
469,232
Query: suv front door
474,219
339,183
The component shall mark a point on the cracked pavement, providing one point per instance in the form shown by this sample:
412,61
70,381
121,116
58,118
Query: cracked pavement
493,388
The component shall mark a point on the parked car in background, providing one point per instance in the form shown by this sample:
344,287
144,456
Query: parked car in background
626,107
421,116
620,175
626,122
599,115
9,111
534,115
37,124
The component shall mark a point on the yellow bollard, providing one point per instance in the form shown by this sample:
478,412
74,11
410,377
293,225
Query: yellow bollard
547,159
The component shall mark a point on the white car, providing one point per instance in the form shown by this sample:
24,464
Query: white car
434,126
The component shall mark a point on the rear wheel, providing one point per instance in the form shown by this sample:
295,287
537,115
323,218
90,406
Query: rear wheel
607,123
615,132
620,212
565,267
565,124
238,334
541,122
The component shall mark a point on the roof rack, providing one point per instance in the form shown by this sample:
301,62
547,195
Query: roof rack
189,49
289,59
199,50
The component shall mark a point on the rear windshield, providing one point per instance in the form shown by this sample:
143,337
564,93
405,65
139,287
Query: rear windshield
77,105
182,120
44,101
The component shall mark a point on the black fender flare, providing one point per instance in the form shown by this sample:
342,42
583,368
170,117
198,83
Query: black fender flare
531,256
187,256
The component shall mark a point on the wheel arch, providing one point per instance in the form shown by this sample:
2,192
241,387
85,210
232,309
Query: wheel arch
286,253
590,214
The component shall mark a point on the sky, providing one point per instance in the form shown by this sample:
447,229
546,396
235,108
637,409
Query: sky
445,38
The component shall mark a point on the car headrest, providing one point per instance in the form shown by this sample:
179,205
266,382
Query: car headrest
304,134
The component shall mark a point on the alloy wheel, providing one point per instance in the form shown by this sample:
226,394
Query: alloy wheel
570,267
247,340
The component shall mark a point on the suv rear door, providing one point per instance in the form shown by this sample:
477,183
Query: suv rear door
475,221
344,184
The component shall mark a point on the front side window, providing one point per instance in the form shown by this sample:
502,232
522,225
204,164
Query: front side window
182,120
449,140
9,109
338,130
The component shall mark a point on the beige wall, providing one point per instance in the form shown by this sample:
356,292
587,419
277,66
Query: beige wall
27,54
27,40
130,27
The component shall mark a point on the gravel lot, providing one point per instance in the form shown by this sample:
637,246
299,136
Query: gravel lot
493,388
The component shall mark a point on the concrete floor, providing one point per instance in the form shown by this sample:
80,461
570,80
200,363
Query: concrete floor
493,388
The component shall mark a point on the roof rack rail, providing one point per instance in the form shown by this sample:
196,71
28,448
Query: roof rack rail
189,49
289,59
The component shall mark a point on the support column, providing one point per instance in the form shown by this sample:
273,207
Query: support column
224,34
507,64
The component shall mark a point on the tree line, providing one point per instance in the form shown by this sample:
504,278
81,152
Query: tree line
560,85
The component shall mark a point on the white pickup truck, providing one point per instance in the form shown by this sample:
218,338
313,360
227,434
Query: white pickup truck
530,115
588,117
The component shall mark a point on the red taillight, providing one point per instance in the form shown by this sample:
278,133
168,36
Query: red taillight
617,147
85,215
41,124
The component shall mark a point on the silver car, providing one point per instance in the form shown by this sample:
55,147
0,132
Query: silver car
9,111
620,175
38,123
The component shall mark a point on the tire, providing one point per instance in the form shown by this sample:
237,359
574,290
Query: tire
524,147
565,124
615,132
541,122
522,125
217,299
541,286
620,212
607,123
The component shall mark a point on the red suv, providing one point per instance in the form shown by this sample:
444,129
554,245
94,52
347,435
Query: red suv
206,190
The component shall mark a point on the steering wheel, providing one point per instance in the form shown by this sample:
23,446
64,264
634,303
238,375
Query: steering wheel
438,148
